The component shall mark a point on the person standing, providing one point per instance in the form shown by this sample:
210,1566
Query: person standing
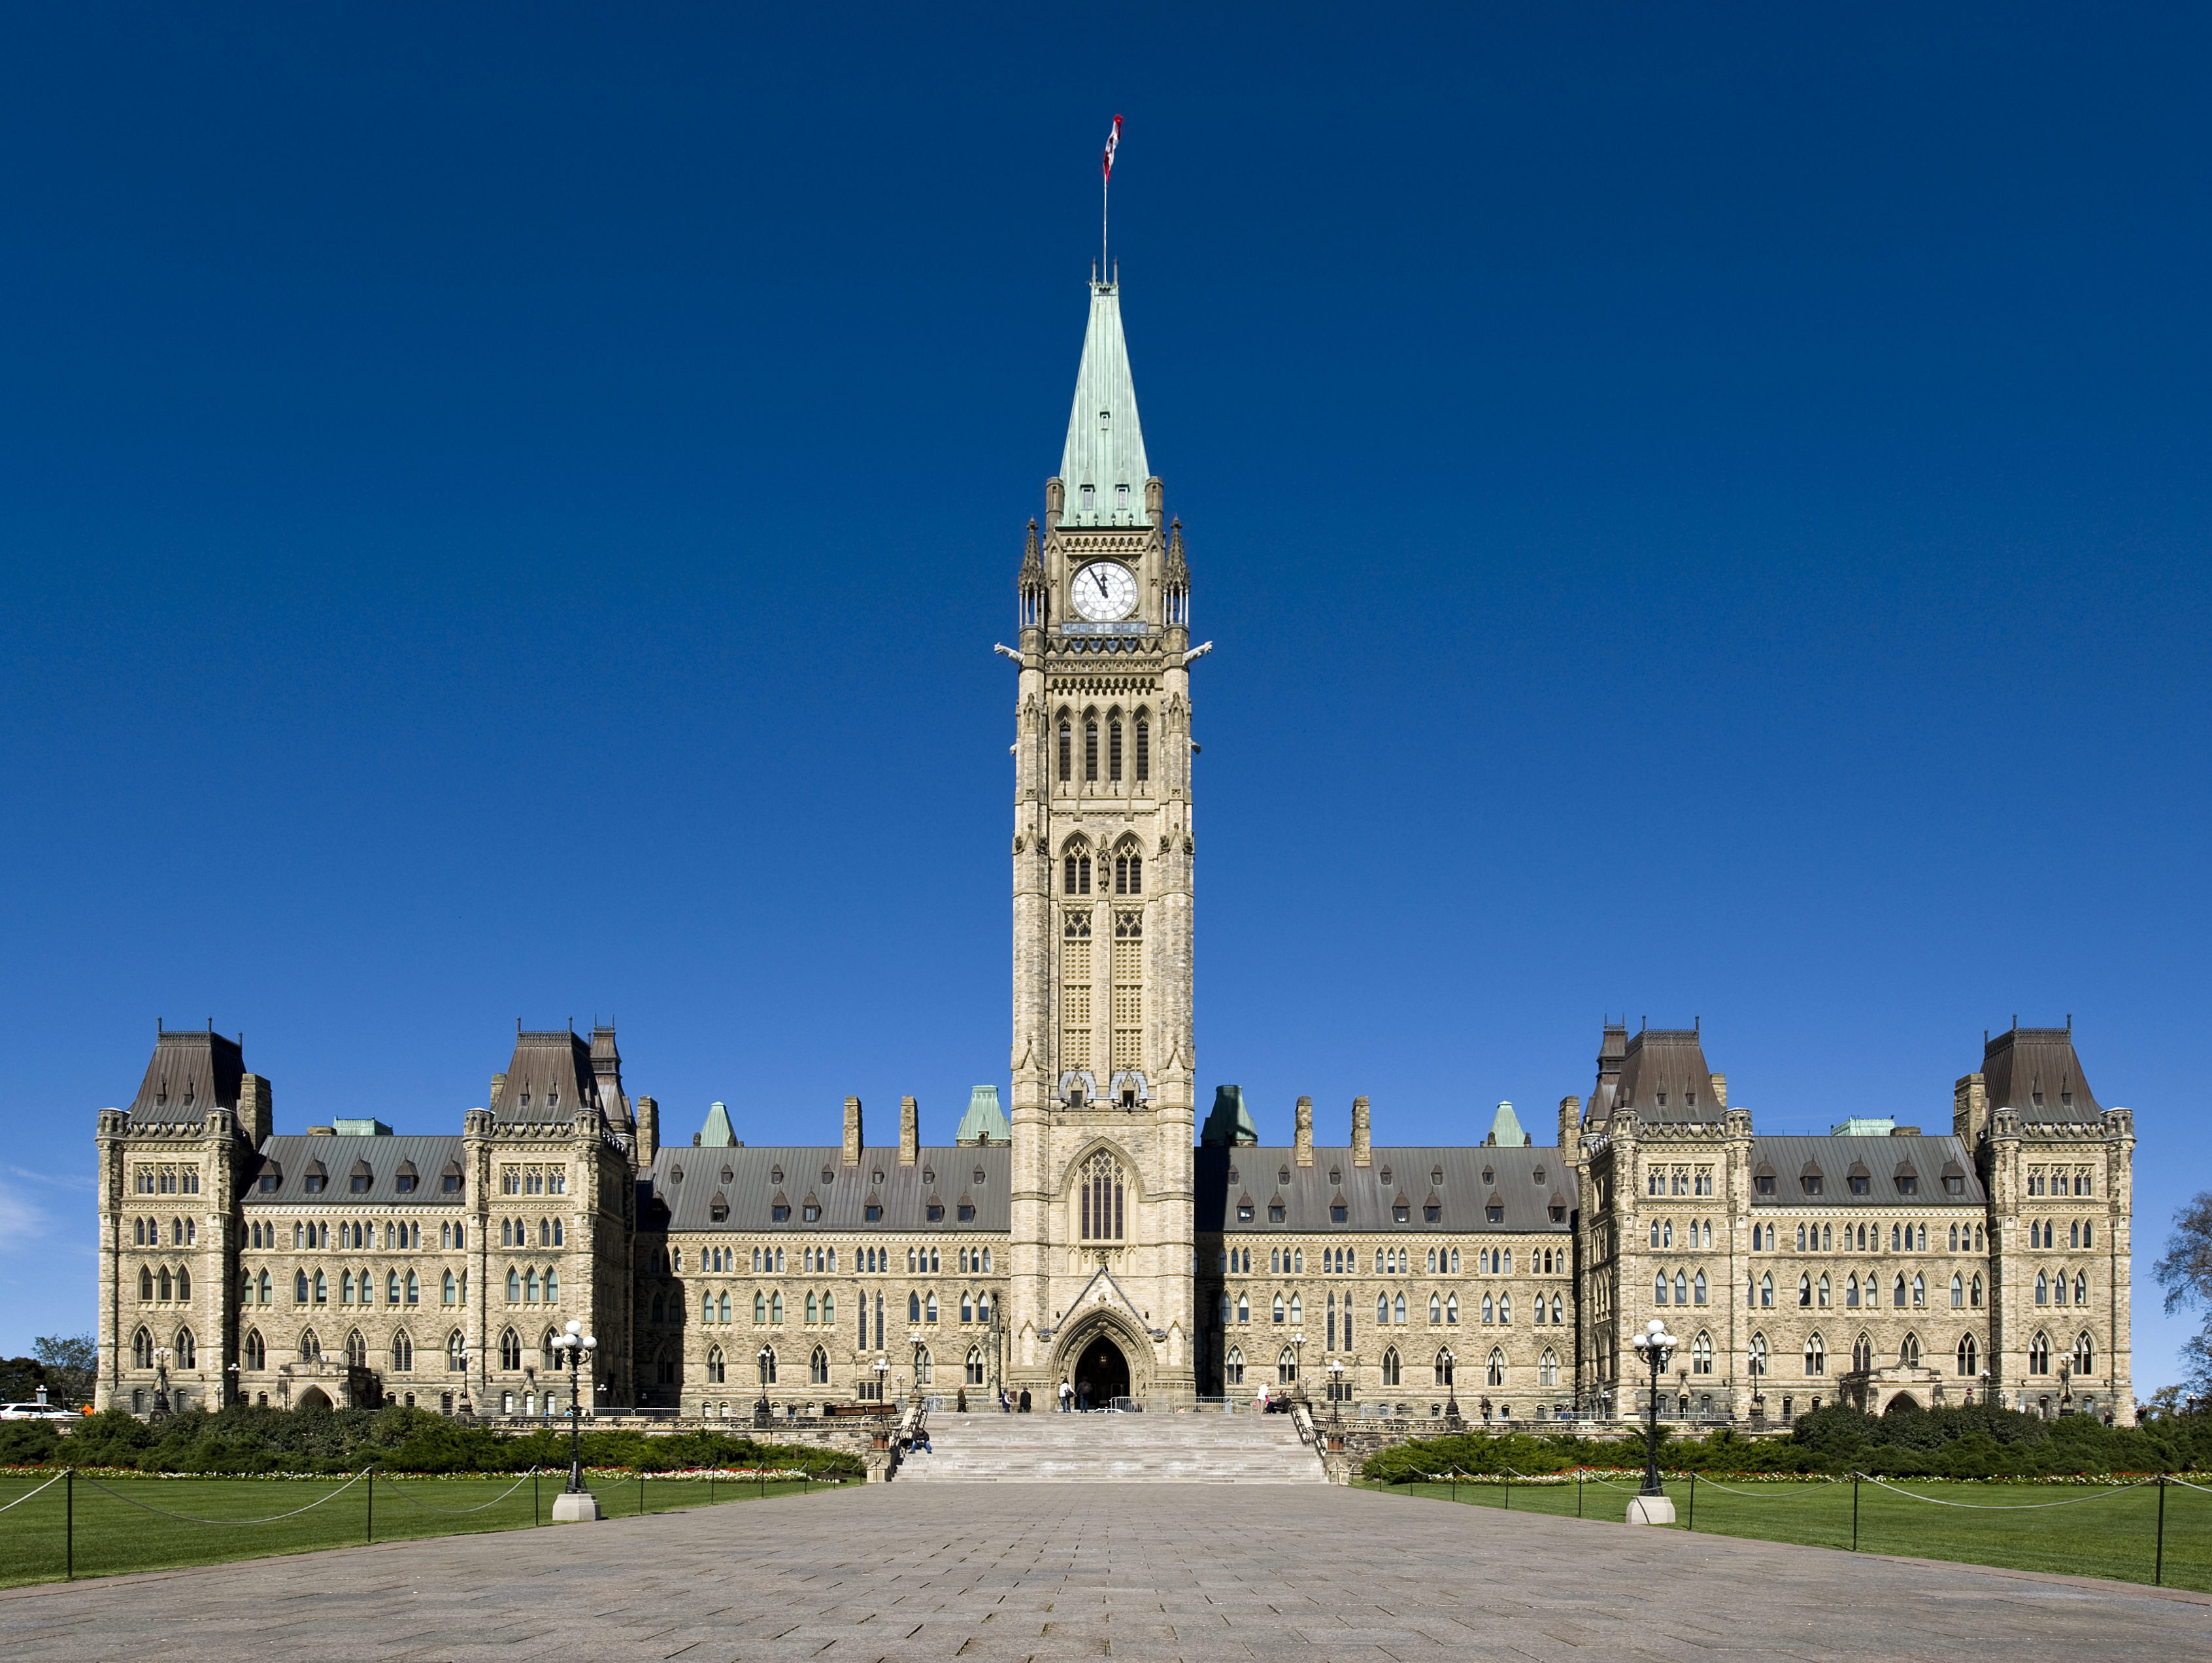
1067,1396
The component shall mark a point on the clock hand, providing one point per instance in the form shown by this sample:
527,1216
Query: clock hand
1101,577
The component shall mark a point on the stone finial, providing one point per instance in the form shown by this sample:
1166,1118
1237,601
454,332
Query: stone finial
1361,1149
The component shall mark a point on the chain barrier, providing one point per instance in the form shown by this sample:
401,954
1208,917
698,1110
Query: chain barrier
40,1490
273,1518
462,1512
2185,1485
1803,1488
2006,1507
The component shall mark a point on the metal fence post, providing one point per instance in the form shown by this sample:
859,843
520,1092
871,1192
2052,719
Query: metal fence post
1855,1513
1579,1492
1509,1492
368,1482
2158,1571
533,1495
1690,1518
69,1524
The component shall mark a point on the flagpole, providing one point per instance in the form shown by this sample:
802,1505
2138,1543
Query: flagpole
1105,178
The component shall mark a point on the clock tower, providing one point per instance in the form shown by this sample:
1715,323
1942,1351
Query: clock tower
1103,853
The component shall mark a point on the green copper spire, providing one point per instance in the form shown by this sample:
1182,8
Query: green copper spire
1229,1126
718,1134
1505,1130
985,1122
1103,465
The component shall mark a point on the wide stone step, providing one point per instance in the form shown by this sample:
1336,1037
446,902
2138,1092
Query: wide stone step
1114,1450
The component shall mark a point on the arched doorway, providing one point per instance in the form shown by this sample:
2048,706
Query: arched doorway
314,1398
1101,1367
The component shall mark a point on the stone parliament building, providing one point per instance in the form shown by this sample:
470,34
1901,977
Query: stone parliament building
1093,1230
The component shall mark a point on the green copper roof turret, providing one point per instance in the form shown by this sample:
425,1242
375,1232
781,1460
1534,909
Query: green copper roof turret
985,1122
1229,1126
1505,1130
718,1134
1103,465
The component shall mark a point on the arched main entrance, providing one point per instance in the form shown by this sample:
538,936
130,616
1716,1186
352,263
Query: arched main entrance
1102,1367
314,1398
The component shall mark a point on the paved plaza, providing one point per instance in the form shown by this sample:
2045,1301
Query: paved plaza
1013,1571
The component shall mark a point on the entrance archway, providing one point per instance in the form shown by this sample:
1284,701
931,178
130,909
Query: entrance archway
1104,1369
314,1398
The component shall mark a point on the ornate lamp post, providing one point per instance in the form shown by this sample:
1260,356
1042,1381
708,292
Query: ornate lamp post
576,1504
1335,1391
1649,1505
762,1412
1298,1340
881,1366
161,1384
1451,1388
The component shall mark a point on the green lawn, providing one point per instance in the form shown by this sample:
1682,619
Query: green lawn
2111,1534
111,1535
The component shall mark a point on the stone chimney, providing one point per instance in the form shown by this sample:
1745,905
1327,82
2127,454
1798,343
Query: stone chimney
1305,1132
909,1132
648,1131
257,1110
1720,1090
1571,1128
853,1131
498,1085
1359,1146
1970,1109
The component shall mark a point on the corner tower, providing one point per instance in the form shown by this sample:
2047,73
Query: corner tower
1103,851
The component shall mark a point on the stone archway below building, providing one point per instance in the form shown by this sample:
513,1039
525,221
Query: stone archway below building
1101,1372
314,1398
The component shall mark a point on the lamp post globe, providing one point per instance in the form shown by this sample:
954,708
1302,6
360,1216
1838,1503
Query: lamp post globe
1335,1391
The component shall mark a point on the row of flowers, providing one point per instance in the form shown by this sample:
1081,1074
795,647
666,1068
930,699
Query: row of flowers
1607,1474
750,1474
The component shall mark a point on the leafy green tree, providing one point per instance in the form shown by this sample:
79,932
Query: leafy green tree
2185,1271
72,1363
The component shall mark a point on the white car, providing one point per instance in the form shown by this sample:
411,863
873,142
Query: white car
35,1411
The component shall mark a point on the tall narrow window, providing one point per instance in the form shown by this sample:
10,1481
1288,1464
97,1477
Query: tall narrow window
1114,750
1144,749
1100,1200
1091,748
1075,988
1128,990
1066,752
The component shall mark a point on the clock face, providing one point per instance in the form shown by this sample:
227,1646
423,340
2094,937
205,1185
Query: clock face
1105,592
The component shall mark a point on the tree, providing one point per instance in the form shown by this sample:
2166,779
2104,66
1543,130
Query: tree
72,1363
2185,1272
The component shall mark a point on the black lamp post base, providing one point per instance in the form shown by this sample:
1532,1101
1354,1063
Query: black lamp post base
576,1507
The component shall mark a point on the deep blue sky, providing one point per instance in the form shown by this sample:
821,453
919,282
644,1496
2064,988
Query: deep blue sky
506,511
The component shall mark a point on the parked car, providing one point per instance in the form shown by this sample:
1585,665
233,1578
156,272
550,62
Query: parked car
35,1411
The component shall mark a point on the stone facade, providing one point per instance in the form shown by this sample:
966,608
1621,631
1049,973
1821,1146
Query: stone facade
1095,1236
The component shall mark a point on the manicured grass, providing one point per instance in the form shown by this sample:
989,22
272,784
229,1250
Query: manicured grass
112,1536
2107,1534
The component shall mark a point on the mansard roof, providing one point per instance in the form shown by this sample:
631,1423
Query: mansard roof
2036,1071
552,1078
755,1177
1470,1178
1105,447
293,1157
1882,1162
1664,1079
191,1072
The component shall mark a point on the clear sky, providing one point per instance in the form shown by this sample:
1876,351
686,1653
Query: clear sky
506,509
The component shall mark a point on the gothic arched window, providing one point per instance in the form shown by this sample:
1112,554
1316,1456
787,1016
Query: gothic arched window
1100,1201
142,1349
2039,1355
1861,1355
1067,751
1495,1374
1390,1367
356,1350
1114,747
510,1351
1090,748
402,1354
717,1366
1143,747
456,1353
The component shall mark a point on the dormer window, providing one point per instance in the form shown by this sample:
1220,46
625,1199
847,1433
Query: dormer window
1663,1100
2038,1099
553,1098
1088,494
1335,1175
2065,1099
1859,1186
525,1100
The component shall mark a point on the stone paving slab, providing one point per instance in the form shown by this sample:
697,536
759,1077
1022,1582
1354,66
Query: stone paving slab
1006,1572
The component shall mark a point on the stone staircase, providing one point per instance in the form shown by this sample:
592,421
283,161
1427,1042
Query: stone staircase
1103,1448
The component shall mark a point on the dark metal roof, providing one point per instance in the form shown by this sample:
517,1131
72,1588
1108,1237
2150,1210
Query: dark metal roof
1464,1193
1879,1160
753,1186
292,1157
1664,1079
551,1079
190,1072
2036,1071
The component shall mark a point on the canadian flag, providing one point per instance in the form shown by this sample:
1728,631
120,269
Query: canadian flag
1113,143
